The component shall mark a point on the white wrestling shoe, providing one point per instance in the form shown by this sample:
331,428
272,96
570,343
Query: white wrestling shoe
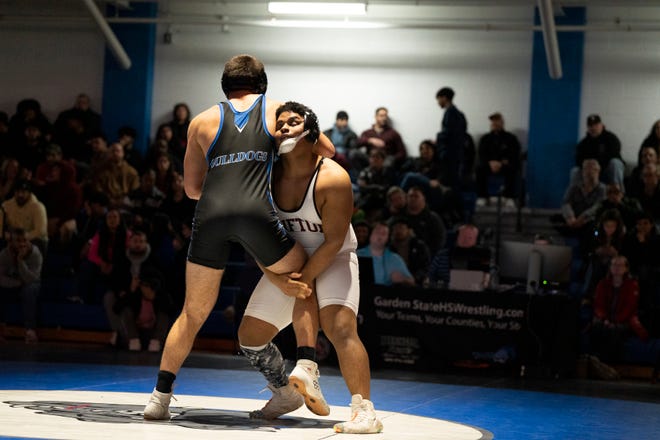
285,399
305,378
363,418
158,407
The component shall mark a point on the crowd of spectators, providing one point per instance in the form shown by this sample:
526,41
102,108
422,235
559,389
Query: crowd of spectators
111,214
119,210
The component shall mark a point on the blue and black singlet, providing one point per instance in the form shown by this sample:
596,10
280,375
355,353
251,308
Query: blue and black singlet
236,202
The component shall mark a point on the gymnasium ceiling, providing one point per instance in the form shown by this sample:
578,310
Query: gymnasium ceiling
423,14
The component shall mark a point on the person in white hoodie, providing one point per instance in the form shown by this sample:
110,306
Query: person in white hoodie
26,212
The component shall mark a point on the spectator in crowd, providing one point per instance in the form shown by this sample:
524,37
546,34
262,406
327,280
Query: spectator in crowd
145,313
98,152
20,279
74,126
31,148
427,224
395,203
451,140
104,267
628,207
126,137
179,124
606,244
649,195
465,253
115,177
641,245
499,155
24,211
642,249
165,134
72,137
145,200
62,197
10,173
28,112
373,182
424,171
414,251
345,142
381,136
163,144
603,146
581,196
647,155
616,334
389,267
177,205
139,259
164,172
88,221
53,158
81,111
98,145
362,232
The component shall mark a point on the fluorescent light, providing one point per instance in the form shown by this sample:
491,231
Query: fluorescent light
311,8
325,24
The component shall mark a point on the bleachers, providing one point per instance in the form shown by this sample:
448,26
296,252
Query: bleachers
61,319
517,226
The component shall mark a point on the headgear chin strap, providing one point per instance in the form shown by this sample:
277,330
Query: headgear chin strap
287,145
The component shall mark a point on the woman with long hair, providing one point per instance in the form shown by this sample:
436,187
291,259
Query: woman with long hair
607,243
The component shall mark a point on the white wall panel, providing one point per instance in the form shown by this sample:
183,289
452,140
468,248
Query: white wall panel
622,78
358,71
51,64
355,70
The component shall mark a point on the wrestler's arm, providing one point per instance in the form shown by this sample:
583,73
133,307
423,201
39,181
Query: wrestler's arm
288,283
194,161
335,196
324,147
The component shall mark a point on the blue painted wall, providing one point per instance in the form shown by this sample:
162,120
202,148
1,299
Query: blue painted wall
127,93
554,114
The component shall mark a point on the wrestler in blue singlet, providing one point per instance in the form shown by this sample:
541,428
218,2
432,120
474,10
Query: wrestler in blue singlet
236,202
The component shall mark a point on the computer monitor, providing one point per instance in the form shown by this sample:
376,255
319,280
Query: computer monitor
543,264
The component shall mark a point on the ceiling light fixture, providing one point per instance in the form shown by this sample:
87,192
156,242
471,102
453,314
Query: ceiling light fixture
323,24
310,8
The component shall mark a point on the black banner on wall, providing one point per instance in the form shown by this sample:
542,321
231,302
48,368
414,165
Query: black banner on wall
423,329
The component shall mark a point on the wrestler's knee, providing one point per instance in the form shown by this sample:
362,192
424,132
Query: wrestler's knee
255,332
340,325
193,318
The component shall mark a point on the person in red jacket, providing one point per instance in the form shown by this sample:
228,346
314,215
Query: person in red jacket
617,335
615,304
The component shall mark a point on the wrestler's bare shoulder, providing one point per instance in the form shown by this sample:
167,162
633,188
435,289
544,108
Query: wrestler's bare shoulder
209,116
272,105
333,173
